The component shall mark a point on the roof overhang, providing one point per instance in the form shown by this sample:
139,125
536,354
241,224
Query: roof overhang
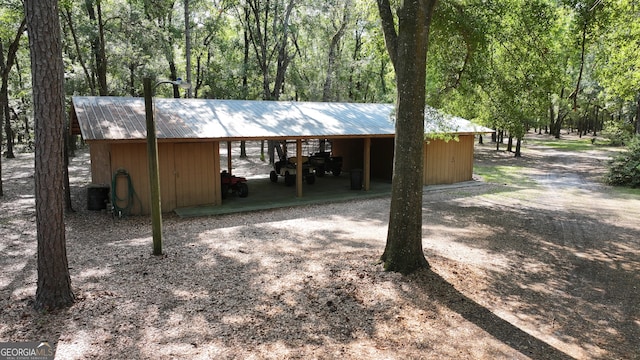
123,119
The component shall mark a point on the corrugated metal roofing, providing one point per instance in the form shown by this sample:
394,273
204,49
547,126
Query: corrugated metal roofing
123,118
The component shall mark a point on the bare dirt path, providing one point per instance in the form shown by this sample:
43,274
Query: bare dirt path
544,268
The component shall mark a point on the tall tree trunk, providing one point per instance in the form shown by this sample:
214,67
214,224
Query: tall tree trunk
187,40
333,46
259,39
98,46
6,119
556,120
4,87
132,79
245,59
518,153
5,69
408,52
90,80
243,149
264,16
575,93
54,283
638,116
68,205
354,85
262,158
284,58
173,72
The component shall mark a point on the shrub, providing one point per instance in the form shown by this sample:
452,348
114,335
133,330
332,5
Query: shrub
618,132
624,169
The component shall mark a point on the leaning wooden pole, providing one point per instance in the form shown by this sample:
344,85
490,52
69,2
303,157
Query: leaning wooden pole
154,173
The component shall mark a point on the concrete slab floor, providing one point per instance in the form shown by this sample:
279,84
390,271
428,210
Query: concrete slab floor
264,195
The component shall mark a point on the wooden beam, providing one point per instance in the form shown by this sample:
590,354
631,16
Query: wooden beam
229,157
216,170
299,167
367,164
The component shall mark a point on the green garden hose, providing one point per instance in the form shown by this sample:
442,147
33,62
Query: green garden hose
120,211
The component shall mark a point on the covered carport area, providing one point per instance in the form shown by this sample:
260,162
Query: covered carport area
191,132
264,194
354,152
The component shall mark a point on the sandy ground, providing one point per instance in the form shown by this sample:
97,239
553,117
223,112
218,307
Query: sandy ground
545,268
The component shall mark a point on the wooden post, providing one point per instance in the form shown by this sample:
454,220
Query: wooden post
217,181
229,165
367,164
154,173
299,174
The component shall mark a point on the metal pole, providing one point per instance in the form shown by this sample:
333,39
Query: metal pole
154,174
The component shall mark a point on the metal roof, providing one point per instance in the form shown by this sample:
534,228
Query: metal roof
123,118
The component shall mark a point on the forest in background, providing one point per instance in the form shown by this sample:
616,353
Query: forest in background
512,65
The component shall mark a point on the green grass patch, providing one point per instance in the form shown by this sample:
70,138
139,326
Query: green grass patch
509,175
583,144
623,190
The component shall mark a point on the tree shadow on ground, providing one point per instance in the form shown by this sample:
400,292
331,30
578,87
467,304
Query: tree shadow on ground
428,282
560,258
201,298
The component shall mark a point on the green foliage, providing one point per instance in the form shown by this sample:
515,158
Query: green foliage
619,66
504,64
624,169
619,132
627,192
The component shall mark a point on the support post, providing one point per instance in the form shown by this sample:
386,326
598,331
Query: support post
299,173
154,173
216,171
229,164
367,164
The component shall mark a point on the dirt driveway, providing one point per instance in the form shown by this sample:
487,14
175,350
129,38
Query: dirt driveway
544,266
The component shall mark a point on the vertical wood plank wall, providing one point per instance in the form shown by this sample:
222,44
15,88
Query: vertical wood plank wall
217,181
194,174
166,156
190,171
187,174
352,152
131,158
100,169
448,162
444,162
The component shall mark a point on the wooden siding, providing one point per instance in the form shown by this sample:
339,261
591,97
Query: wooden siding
188,174
352,152
100,159
448,162
217,181
194,174
132,158
166,159
445,162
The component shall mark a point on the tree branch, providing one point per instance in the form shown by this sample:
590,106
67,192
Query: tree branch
389,30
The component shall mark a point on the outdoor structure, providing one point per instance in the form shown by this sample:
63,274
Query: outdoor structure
190,133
